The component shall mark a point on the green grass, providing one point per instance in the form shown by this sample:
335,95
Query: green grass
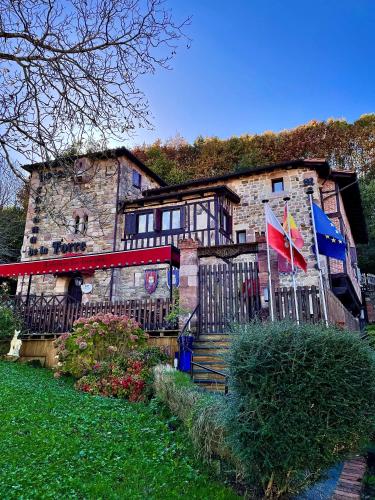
59,443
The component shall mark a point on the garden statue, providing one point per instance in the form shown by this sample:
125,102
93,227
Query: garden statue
15,345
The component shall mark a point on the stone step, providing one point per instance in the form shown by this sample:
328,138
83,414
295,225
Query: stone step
222,353
209,359
199,374
213,362
213,337
211,345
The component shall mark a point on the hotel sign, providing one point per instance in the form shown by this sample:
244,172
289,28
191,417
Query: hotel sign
58,248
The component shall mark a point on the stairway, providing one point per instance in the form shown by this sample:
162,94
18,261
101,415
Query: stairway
210,351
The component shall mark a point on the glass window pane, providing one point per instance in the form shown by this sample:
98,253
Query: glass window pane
277,185
136,179
241,236
142,221
150,223
176,219
166,220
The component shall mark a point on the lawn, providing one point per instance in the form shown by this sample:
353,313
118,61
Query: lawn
59,443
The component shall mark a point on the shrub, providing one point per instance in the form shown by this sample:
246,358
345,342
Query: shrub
201,412
96,339
8,319
8,322
109,356
370,330
129,377
303,399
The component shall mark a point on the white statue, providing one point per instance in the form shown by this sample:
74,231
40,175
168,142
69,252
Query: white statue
15,345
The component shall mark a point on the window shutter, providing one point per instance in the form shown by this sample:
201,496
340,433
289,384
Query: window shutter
130,224
157,220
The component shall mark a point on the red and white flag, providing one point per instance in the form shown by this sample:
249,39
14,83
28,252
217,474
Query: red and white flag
279,241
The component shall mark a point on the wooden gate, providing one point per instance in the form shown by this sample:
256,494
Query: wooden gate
228,293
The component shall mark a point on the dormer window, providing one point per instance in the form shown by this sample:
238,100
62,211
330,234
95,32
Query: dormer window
137,179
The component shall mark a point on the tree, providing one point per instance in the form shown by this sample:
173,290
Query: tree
12,223
9,186
70,70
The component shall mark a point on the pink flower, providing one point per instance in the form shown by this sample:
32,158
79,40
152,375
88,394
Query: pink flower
82,345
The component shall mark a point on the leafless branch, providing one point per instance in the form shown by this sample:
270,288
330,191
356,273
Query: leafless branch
70,69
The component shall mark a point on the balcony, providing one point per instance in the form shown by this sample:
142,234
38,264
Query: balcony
207,218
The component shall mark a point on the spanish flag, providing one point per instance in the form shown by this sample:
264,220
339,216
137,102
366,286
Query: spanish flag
294,232
277,238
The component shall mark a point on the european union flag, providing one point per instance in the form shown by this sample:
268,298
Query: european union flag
330,241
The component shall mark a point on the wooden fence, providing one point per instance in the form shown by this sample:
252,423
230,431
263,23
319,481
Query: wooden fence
228,293
310,309
56,314
339,315
308,300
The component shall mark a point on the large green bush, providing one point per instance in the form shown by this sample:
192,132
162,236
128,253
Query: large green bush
303,399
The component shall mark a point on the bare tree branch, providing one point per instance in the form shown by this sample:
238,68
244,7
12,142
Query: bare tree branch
70,69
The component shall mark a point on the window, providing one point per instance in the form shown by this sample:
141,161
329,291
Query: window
171,219
137,179
241,237
77,221
277,185
225,221
85,224
145,222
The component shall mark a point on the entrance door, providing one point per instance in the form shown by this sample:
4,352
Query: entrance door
74,290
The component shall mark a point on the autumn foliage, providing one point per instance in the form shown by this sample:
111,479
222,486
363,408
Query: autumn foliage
347,146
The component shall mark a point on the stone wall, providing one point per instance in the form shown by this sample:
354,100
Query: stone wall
53,207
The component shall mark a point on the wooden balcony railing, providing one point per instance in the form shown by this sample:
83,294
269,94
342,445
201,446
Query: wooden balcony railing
56,314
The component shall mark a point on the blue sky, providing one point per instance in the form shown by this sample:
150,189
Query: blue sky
257,65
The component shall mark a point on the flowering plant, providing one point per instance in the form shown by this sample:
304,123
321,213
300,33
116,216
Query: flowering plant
129,377
110,380
96,339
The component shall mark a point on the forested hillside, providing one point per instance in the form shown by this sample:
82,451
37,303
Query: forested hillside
345,145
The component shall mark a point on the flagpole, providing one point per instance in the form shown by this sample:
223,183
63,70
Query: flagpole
269,264
286,199
309,192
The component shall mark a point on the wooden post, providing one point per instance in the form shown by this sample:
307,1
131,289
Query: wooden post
28,290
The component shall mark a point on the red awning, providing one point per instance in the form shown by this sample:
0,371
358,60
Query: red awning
157,255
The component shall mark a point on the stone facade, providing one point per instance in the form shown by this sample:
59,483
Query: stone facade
55,204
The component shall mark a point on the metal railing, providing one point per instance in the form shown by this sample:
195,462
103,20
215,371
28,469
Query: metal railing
210,370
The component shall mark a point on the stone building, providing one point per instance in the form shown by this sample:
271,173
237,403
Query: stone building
110,201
